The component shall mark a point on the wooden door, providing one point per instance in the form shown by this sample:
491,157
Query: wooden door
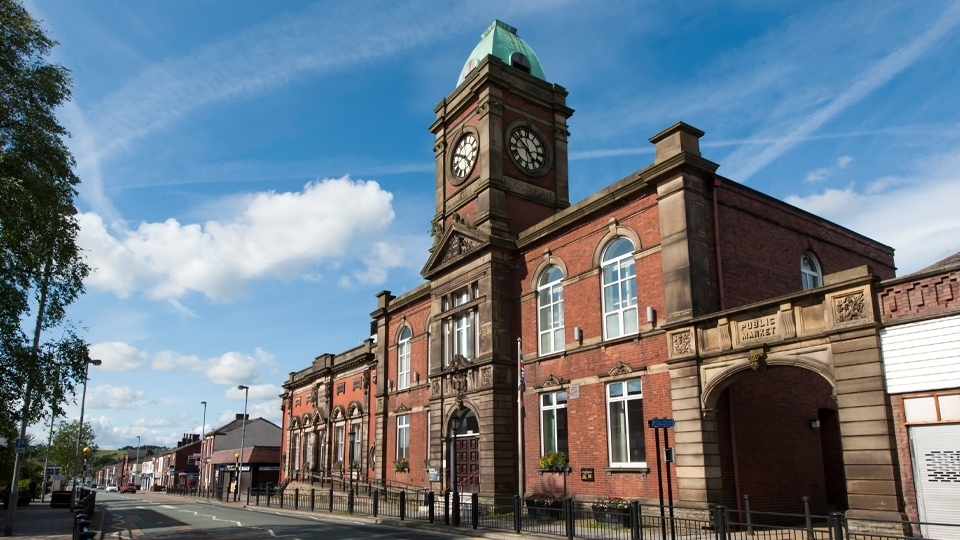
468,464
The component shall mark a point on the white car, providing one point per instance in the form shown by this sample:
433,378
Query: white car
112,487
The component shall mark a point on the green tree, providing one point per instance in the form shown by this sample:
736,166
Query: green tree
63,449
41,271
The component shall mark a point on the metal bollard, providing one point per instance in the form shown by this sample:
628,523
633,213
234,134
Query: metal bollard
836,525
634,520
431,509
809,520
375,502
248,494
568,516
746,507
258,497
475,510
313,499
331,496
446,507
296,498
517,513
403,505
720,521
350,502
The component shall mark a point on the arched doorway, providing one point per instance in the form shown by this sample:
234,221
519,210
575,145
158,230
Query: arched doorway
467,447
779,441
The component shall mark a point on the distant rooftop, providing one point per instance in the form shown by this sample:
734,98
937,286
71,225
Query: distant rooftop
501,40
952,260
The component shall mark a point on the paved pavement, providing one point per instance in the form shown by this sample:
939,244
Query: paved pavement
39,521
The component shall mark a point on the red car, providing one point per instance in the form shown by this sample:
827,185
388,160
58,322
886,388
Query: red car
128,488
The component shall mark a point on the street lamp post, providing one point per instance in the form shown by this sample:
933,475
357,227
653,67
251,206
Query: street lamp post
243,431
136,465
83,404
454,429
86,454
353,439
203,432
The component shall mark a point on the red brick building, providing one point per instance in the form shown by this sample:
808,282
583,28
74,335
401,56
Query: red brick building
623,305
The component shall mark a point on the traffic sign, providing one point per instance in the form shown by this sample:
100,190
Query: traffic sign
662,422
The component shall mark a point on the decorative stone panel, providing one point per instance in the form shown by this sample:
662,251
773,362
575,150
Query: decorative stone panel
681,343
849,308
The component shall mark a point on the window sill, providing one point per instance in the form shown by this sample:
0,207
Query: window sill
556,470
629,470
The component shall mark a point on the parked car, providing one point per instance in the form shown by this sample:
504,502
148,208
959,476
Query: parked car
112,487
101,486
128,488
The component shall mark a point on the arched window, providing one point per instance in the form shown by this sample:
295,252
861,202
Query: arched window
619,282
810,271
403,359
550,310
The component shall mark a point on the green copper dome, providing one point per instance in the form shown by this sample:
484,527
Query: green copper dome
501,40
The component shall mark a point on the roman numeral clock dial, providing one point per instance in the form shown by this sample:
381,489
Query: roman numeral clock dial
527,149
464,156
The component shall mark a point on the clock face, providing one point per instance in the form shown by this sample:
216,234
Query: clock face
527,149
464,156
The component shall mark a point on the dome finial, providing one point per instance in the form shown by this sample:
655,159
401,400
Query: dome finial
501,40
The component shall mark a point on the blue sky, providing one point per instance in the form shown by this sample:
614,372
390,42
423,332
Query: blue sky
254,174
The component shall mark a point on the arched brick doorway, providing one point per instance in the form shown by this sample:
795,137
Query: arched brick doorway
779,441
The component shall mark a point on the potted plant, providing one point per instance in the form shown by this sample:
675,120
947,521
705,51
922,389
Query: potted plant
338,466
401,465
554,461
612,511
544,505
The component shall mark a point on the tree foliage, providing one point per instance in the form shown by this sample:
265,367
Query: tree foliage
41,268
63,449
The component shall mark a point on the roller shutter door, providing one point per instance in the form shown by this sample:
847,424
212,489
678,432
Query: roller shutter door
936,465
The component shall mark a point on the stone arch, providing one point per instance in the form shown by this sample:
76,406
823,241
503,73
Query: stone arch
354,410
548,261
614,229
339,413
816,360
404,325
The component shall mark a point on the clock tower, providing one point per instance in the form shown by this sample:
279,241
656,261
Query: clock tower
501,140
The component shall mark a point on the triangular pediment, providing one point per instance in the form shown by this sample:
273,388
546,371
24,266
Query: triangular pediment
459,241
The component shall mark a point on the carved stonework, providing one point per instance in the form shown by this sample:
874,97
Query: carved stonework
435,387
551,381
620,369
758,359
439,147
402,408
486,375
457,247
380,405
682,343
849,308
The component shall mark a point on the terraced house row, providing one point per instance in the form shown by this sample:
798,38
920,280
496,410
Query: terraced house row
673,293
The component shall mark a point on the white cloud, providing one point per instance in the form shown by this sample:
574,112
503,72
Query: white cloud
273,234
844,161
107,396
117,356
151,423
817,175
900,212
258,392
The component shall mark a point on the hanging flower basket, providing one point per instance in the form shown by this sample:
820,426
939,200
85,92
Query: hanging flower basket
544,506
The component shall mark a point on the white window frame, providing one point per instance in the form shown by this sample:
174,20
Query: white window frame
550,315
308,451
403,359
357,442
295,451
810,278
624,264
403,436
550,403
339,444
628,426
459,328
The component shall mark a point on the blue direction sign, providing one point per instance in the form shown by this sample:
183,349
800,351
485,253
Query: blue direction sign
20,446
662,422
